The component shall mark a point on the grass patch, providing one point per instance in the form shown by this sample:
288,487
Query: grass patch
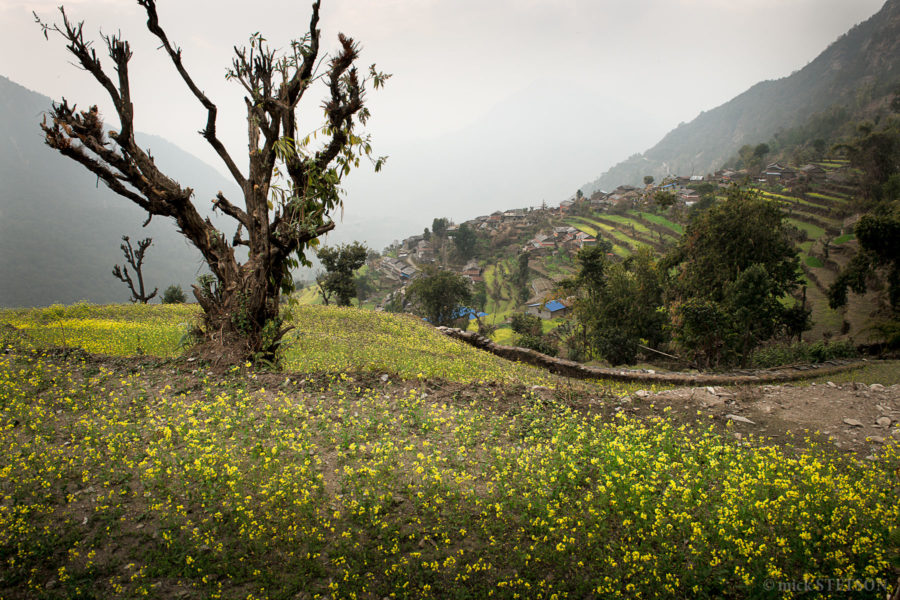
325,339
837,199
659,220
843,239
813,232
885,372
813,261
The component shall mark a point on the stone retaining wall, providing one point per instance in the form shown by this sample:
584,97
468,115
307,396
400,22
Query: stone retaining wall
568,368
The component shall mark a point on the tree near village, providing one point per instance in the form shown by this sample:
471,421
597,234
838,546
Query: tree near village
732,270
438,295
290,189
341,262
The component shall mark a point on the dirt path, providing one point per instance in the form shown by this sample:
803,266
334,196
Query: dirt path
855,417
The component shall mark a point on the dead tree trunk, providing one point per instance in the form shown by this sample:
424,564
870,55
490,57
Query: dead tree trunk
289,191
136,260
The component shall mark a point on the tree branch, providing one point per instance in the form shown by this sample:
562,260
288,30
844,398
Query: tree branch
222,203
175,54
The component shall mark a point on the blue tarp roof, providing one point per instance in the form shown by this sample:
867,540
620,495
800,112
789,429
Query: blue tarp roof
464,311
555,305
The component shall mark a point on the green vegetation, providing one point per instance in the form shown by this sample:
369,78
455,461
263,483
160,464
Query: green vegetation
802,353
174,295
813,231
734,266
835,199
438,295
843,239
617,305
337,283
129,481
876,153
116,329
326,339
530,334
659,220
813,261
620,243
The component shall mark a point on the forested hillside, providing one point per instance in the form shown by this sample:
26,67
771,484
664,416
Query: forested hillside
60,231
855,73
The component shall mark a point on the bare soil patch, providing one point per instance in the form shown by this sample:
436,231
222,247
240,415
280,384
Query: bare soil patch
854,417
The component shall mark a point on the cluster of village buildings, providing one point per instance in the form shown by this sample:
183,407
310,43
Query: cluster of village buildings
420,249
567,238
626,196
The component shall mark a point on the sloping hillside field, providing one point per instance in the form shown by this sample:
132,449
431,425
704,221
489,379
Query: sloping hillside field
388,461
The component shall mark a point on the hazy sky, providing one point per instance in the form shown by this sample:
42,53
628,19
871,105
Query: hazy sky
493,104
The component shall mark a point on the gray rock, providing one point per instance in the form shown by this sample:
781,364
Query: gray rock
642,394
830,384
883,421
876,387
876,439
739,419
853,422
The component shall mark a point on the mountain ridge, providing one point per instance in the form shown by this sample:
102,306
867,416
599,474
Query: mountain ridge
862,64
60,230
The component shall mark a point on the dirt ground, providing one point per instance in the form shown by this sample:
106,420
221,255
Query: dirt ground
854,417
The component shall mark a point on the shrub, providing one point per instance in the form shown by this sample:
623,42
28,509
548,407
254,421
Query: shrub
174,295
785,354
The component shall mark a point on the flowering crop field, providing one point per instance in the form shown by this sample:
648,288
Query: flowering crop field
125,480
325,338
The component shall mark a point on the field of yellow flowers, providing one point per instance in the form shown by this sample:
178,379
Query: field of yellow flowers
149,478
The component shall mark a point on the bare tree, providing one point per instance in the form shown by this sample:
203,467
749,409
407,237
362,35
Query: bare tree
135,258
290,189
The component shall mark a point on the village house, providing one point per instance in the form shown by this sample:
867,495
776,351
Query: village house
689,197
548,310
583,239
776,173
397,269
424,252
473,271
813,173
566,206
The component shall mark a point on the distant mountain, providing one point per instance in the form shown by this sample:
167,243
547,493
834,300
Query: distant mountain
858,69
532,146
60,230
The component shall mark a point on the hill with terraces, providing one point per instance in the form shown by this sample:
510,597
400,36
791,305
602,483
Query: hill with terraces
817,199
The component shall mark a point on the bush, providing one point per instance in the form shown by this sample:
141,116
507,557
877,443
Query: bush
537,343
778,355
174,295
822,351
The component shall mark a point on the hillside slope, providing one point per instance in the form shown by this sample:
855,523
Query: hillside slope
60,231
856,70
